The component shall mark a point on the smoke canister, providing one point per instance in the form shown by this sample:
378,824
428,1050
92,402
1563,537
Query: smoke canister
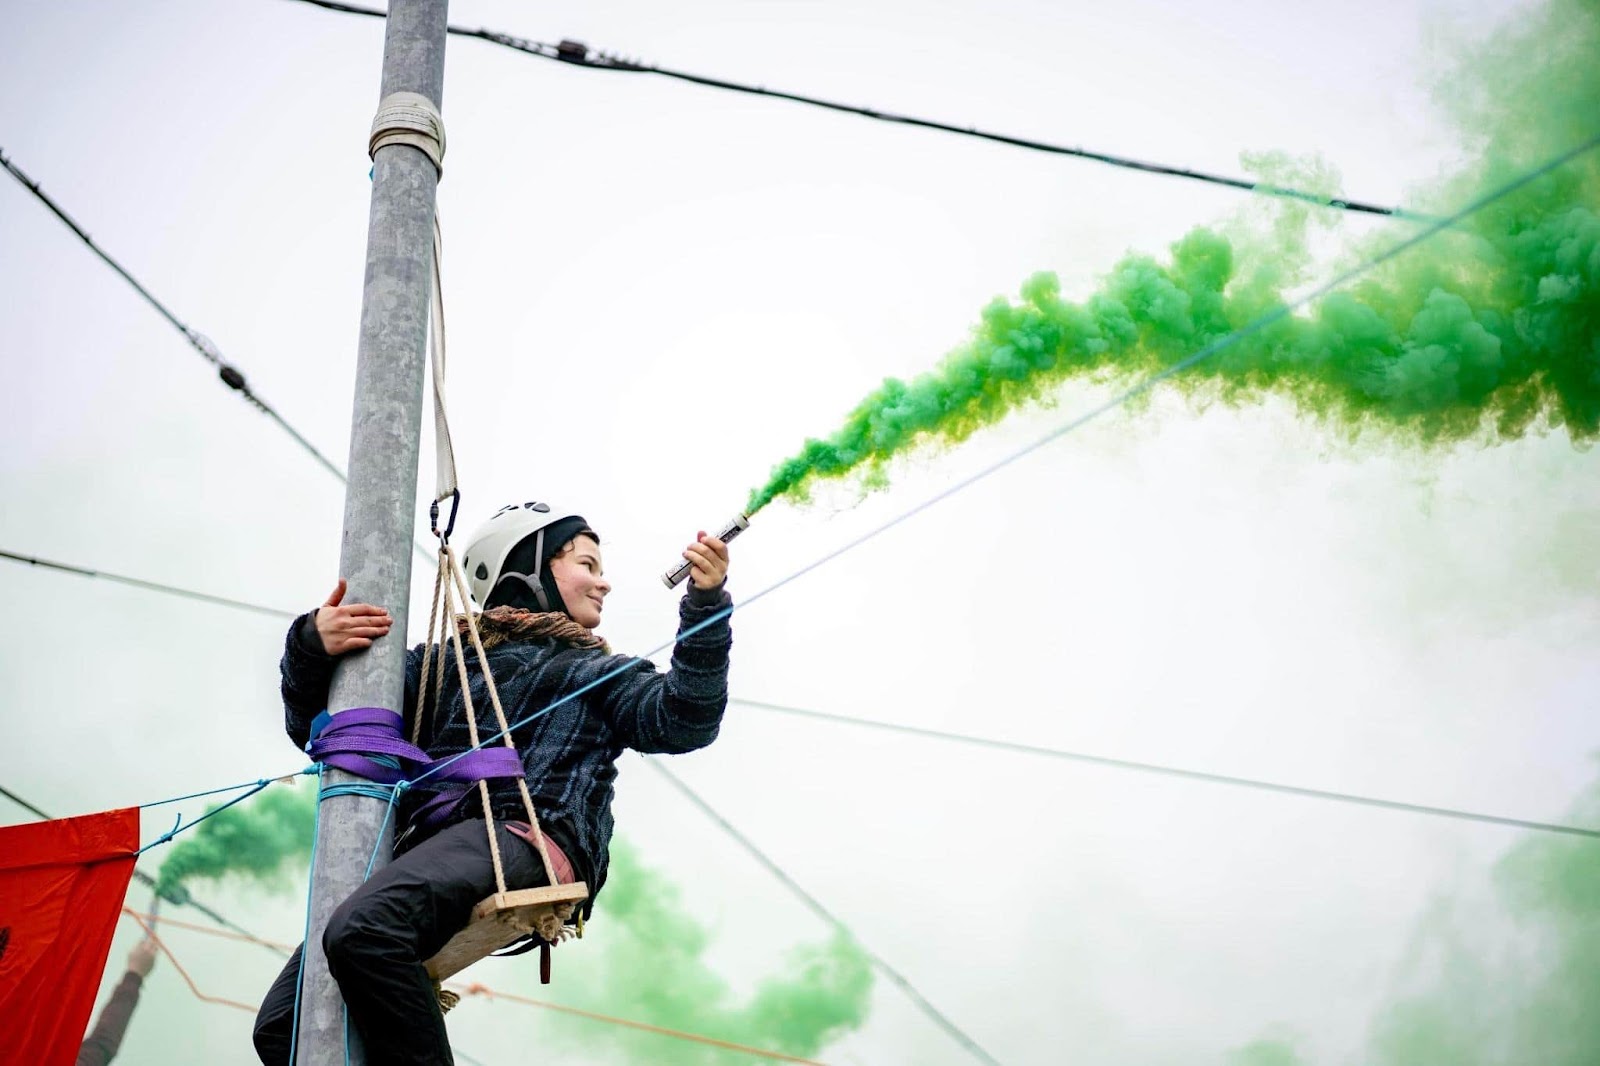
736,525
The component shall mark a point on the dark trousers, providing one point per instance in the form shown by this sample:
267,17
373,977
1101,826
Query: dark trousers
377,940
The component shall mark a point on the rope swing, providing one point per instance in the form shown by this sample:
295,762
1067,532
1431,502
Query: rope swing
507,917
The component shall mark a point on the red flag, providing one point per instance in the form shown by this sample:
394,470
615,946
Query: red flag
61,888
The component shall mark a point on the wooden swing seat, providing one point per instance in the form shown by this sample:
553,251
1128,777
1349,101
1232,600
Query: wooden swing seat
503,919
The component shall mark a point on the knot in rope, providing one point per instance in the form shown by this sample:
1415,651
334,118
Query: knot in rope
409,118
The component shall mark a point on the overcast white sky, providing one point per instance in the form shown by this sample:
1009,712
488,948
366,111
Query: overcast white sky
656,291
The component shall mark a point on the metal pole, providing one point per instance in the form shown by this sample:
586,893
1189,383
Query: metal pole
381,499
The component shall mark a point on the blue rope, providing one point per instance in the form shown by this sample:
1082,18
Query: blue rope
575,693
390,793
180,825
1133,391
305,937
226,788
369,790
360,788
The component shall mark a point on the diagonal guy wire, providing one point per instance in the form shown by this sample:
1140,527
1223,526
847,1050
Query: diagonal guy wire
811,902
1174,771
149,586
231,375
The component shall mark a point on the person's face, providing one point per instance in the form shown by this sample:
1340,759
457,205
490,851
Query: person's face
581,581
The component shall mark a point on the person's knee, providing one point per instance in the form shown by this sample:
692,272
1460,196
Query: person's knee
271,1037
356,939
343,939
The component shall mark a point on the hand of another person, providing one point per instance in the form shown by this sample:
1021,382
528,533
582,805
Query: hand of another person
142,957
349,628
708,560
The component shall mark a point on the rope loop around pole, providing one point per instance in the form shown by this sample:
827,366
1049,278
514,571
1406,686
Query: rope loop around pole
409,118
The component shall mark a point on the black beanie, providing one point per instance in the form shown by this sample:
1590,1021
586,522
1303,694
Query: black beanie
557,535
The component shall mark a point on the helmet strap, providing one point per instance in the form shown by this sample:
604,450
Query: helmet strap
535,580
537,584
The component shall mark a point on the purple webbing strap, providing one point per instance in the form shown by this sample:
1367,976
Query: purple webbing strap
476,765
350,737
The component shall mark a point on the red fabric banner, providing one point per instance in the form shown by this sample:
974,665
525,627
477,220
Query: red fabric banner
62,884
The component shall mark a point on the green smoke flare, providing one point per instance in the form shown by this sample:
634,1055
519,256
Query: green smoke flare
652,969
261,839
1479,334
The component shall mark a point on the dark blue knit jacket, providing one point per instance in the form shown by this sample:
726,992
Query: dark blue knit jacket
569,754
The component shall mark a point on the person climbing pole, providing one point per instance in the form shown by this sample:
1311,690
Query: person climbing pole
104,1040
537,574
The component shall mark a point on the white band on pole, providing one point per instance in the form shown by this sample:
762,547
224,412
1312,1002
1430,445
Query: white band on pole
409,118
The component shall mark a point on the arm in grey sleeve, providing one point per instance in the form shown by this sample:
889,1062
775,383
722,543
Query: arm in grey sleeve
101,1045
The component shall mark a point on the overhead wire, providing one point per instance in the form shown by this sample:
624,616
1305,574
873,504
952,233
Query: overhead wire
24,804
231,375
579,54
149,586
1173,771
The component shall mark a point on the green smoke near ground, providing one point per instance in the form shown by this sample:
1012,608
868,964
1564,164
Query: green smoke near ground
1488,992
261,839
652,968
1482,333
1532,1000
1265,1053
645,960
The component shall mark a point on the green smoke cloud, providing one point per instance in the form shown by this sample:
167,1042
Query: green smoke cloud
1532,1001
262,839
1479,334
1514,988
1265,1053
651,967
644,961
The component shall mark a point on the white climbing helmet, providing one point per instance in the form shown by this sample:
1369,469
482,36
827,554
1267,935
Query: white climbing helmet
493,541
